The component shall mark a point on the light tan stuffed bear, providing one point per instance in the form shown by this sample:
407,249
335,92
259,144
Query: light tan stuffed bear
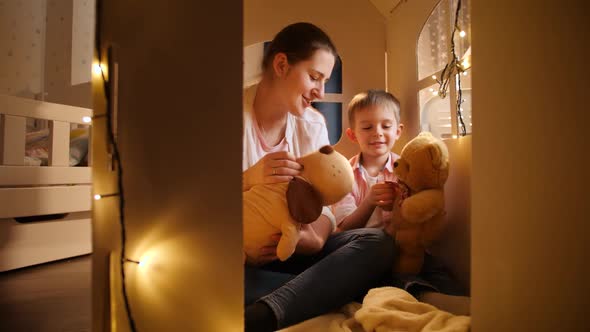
282,207
418,211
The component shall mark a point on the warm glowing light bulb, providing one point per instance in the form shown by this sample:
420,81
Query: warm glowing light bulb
434,93
464,73
462,34
146,260
97,197
454,136
465,63
86,119
96,69
431,89
434,77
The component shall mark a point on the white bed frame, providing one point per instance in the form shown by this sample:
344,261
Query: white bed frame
41,190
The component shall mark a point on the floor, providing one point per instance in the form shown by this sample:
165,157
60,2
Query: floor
52,297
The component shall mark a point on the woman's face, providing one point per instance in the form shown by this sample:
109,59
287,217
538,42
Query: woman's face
304,81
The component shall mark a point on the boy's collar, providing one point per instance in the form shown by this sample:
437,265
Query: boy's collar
357,163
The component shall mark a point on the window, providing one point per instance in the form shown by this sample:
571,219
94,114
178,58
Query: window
438,113
331,108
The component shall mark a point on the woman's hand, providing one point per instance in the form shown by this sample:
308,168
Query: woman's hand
267,253
312,237
274,167
309,241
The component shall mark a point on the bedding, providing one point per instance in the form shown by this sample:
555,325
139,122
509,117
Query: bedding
385,309
37,147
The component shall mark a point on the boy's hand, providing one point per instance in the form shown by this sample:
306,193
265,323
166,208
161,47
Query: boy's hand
382,195
274,167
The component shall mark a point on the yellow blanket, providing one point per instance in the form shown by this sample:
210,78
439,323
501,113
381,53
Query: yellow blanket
386,309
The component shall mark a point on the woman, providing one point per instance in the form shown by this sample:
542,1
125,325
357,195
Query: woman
279,127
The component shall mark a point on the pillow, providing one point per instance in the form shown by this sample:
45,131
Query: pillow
79,150
37,147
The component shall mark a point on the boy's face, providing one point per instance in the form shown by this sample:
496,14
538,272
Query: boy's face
375,130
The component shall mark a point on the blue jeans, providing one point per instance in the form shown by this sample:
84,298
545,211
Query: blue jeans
303,287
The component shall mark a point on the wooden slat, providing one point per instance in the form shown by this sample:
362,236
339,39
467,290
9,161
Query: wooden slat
59,143
12,136
25,244
22,202
114,290
30,108
35,175
428,81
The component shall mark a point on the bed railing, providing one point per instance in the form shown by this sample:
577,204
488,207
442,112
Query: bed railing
40,190
14,112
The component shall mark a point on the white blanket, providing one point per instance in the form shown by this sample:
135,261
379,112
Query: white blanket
385,309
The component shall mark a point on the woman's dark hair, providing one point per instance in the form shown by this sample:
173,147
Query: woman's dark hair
298,41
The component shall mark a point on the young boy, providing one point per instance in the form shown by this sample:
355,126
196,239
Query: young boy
374,119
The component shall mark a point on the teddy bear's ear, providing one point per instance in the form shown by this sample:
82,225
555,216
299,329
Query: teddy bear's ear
438,155
304,202
434,153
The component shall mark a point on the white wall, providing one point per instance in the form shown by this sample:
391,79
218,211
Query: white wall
22,42
46,49
60,46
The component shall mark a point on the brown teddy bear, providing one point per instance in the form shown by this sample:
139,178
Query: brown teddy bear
282,207
418,211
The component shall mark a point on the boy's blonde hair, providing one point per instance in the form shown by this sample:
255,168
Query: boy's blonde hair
371,98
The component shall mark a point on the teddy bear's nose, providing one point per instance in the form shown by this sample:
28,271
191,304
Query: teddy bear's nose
395,164
326,149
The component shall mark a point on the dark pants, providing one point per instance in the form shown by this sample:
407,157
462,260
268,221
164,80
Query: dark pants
434,276
303,287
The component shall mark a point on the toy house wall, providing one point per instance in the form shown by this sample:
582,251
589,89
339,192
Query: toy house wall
530,166
179,132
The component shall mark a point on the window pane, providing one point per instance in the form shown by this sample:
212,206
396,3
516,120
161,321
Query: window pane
333,114
334,85
466,96
435,112
433,43
434,115
462,40
434,52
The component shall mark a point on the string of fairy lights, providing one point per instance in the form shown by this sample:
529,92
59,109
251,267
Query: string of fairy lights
98,69
454,68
